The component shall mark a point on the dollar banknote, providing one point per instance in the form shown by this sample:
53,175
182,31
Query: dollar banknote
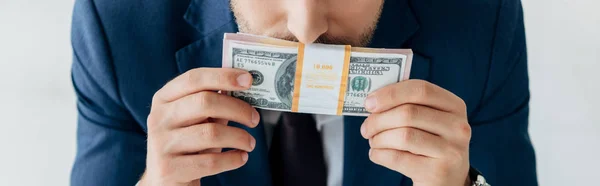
273,65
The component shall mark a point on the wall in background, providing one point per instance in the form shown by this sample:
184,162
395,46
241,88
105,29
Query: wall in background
38,115
564,58
37,103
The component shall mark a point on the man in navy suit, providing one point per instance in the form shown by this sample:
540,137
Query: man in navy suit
146,75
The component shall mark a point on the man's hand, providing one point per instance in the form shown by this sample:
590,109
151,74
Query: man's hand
420,130
187,128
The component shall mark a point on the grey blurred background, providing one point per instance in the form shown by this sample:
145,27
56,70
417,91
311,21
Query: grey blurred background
38,114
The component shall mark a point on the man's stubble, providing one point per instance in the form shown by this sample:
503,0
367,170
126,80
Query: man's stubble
364,39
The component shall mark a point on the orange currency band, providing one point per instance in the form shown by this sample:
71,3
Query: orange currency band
298,78
344,81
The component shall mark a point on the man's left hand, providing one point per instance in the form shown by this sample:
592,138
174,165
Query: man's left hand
420,130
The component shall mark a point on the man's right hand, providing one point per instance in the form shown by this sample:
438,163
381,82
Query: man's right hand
187,127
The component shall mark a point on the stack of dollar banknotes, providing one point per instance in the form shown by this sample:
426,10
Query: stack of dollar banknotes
312,78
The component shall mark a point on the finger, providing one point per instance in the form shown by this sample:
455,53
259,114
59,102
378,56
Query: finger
218,121
203,79
401,161
424,118
198,107
416,92
412,140
197,138
196,166
222,121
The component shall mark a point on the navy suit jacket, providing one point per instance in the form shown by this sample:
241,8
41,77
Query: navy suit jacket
125,50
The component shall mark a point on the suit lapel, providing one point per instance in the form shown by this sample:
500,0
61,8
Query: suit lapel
396,26
213,18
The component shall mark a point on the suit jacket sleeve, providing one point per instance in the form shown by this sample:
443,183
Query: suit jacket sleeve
500,147
111,146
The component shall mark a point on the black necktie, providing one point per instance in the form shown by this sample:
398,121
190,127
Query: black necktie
296,153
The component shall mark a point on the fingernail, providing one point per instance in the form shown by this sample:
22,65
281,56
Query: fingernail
363,131
244,80
244,157
370,103
255,117
370,151
252,143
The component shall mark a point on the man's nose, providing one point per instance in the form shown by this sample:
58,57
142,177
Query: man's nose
307,19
